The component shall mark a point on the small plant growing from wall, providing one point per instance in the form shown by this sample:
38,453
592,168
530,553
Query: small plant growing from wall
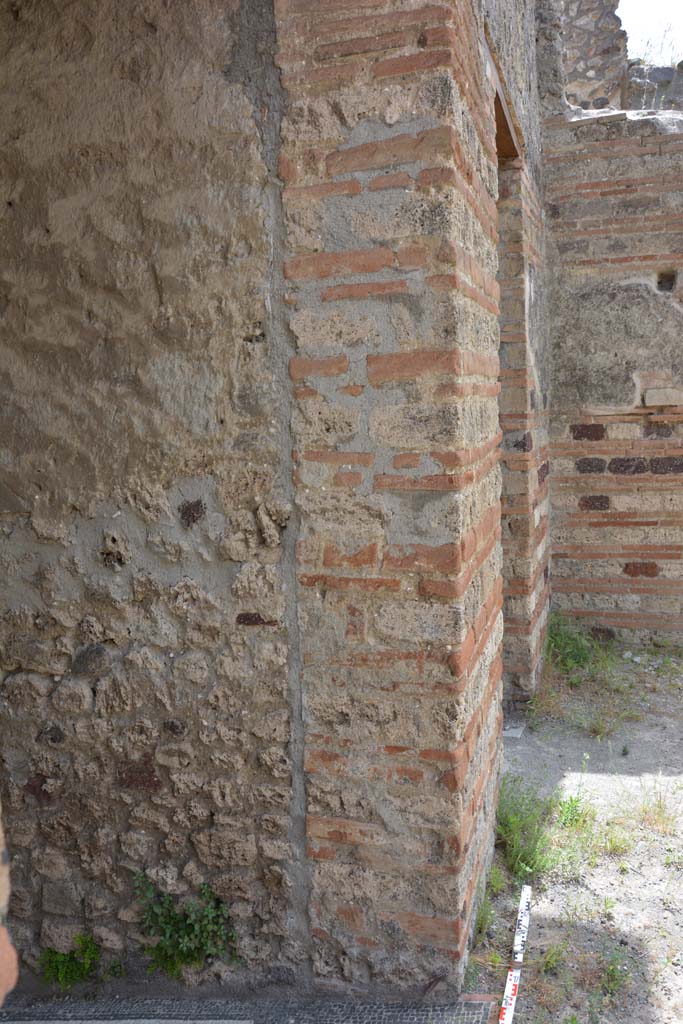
68,969
186,934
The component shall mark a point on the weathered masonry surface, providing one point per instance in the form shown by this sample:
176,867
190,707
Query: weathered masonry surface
599,73
147,646
614,188
329,350
595,59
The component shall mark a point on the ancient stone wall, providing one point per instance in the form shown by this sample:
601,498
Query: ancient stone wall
146,710
594,54
654,88
615,199
251,501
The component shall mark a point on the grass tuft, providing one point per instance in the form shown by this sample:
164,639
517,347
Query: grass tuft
522,829
539,835
498,881
484,918
655,811
553,958
616,841
582,681
569,647
614,975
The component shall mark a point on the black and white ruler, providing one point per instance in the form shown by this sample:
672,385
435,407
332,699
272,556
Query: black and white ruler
507,1010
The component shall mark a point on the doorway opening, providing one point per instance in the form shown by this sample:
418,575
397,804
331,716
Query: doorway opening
523,416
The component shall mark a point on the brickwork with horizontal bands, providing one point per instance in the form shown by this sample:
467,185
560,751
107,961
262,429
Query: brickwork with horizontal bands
615,196
253,630
391,274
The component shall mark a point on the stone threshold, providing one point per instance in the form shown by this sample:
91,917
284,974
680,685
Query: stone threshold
470,1009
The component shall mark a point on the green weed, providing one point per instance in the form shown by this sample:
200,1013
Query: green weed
537,835
187,934
484,918
498,883
553,958
674,860
600,727
580,681
569,648
616,841
471,979
608,905
114,969
614,975
571,811
577,838
67,969
522,829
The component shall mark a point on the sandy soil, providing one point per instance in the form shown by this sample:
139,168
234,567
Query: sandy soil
618,922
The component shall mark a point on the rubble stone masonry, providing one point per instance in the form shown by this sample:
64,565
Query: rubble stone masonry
251,497
655,88
280,287
147,649
595,57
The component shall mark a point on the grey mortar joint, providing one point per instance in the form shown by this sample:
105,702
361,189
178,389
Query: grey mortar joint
253,67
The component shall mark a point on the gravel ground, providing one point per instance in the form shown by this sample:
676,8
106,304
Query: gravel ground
614,922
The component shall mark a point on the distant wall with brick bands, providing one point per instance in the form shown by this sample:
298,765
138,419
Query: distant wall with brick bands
615,195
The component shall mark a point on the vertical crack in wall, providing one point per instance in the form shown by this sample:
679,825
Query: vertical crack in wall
253,67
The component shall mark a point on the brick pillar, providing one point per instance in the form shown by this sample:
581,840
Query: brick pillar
389,168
